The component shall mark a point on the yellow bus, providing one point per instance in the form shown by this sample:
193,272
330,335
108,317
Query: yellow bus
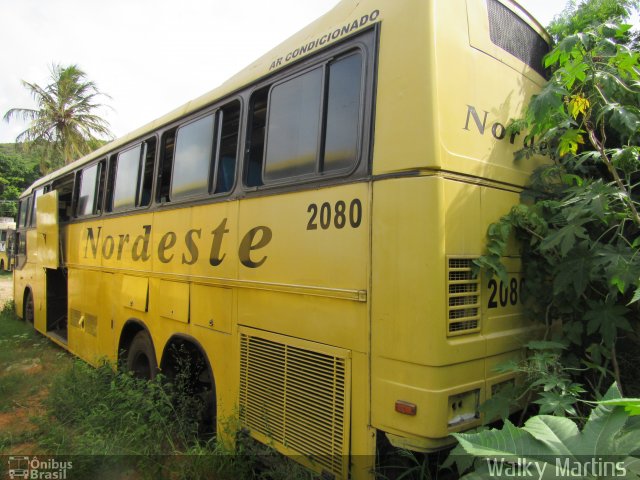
305,232
7,232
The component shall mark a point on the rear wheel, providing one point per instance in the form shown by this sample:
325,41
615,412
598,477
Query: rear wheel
187,370
28,310
141,358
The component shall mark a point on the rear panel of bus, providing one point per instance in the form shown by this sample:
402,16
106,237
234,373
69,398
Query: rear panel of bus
444,169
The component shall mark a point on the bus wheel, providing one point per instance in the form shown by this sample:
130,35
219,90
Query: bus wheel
188,372
29,312
141,359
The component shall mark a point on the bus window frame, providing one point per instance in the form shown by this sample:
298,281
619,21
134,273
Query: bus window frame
29,210
112,159
365,43
217,109
98,192
38,192
213,160
21,207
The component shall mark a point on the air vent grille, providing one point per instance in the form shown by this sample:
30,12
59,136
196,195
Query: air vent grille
296,397
463,297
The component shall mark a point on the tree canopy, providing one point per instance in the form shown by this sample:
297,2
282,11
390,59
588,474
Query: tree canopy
580,17
64,123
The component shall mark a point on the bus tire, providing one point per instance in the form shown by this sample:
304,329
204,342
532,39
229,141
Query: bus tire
141,358
28,313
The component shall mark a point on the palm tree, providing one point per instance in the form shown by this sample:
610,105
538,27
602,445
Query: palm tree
64,122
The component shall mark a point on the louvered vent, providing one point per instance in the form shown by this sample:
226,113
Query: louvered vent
297,397
463,297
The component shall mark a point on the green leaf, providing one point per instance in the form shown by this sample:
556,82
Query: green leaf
565,238
607,319
608,431
547,103
497,406
556,403
636,297
631,405
569,141
545,345
555,432
625,120
573,273
508,441
604,424
574,71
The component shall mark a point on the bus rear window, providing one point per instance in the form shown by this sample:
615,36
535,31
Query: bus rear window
509,32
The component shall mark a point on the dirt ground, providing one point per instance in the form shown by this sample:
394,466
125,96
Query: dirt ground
6,288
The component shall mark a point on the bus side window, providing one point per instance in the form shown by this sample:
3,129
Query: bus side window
146,180
307,125
87,188
101,186
22,213
127,173
65,187
255,139
343,113
38,193
192,158
28,211
293,127
21,242
167,146
229,118
130,177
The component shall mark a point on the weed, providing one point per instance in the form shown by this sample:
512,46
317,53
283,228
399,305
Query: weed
118,426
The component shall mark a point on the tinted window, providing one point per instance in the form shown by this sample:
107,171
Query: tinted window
229,118
343,113
312,123
146,179
192,161
27,211
293,126
38,193
126,179
22,213
87,197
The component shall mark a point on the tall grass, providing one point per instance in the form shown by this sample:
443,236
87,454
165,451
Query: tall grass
112,425
117,423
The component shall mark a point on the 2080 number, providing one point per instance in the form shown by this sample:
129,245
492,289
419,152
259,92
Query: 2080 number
337,215
503,295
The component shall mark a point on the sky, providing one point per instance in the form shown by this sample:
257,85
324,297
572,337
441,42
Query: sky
150,56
